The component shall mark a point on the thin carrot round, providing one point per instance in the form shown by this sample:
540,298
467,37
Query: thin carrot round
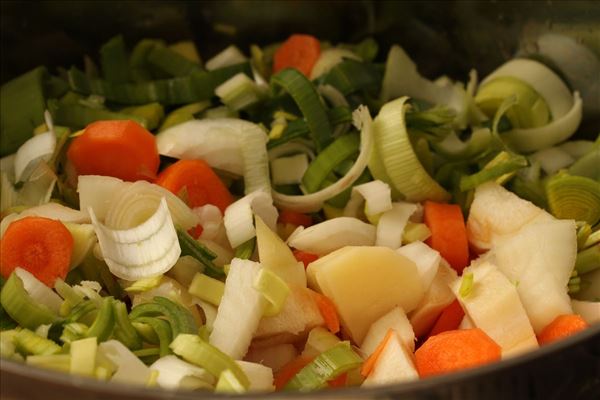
298,51
448,233
455,350
561,327
295,218
201,183
39,245
123,149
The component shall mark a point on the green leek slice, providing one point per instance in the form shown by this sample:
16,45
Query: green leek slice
195,249
83,356
404,171
28,342
274,290
574,197
124,331
196,351
159,328
208,289
328,365
307,99
19,305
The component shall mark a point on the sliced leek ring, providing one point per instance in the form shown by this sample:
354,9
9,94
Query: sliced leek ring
146,250
574,197
405,172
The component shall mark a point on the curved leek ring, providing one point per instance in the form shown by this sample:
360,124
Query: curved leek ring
405,172
239,220
574,197
148,249
314,201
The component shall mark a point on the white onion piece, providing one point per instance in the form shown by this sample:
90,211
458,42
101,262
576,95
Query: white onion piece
239,220
376,195
174,373
38,189
542,79
57,211
552,159
425,258
260,376
135,202
98,192
527,140
39,147
130,369
39,292
333,234
146,250
392,223
314,201
289,170
229,56
211,219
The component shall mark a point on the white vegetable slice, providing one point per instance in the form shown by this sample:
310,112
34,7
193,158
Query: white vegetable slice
130,369
314,201
425,258
333,234
97,192
174,373
135,202
588,310
260,376
229,56
146,250
39,147
394,365
239,220
39,292
330,58
494,306
376,195
240,310
289,170
395,319
552,159
230,144
392,223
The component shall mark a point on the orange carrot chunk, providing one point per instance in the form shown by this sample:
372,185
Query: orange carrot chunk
328,311
561,327
370,362
448,233
299,51
289,370
295,218
201,183
123,149
455,350
39,245
305,257
449,319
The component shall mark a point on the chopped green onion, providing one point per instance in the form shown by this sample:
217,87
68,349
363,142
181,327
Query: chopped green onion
274,290
466,285
113,58
124,330
328,365
207,289
159,328
239,92
103,325
196,351
73,331
501,168
170,62
78,116
193,248
307,99
574,197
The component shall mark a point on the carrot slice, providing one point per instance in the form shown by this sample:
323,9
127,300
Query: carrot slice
455,350
123,149
299,51
448,233
449,319
339,381
289,370
39,245
561,327
328,311
370,362
202,184
305,257
295,218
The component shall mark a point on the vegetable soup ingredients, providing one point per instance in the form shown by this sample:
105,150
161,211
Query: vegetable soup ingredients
41,246
298,51
562,327
448,233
